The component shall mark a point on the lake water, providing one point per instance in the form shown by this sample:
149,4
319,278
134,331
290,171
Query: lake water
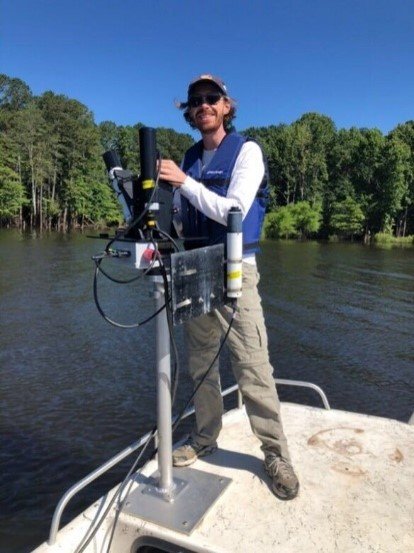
74,390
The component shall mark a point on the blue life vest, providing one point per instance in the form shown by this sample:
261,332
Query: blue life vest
216,177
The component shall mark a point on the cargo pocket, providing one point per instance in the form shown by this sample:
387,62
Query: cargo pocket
248,341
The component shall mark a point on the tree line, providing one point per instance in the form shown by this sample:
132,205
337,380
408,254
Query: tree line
346,182
323,181
52,175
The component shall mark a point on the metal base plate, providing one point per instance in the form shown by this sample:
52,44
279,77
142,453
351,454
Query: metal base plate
194,494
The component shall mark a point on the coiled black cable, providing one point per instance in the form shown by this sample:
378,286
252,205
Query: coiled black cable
105,316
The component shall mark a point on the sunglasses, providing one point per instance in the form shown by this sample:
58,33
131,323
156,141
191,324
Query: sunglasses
198,100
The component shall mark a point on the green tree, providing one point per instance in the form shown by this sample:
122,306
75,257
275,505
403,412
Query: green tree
296,157
393,187
12,193
368,164
30,134
280,224
128,147
293,220
347,218
75,150
322,132
405,218
278,143
342,167
307,219
15,94
108,133
173,145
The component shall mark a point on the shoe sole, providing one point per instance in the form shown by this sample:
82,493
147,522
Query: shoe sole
286,496
184,463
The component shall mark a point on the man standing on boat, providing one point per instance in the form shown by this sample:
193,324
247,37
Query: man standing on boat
225,170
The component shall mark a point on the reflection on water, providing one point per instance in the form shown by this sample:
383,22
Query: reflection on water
74,391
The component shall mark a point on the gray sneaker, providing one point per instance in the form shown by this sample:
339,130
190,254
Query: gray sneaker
190,451
285,484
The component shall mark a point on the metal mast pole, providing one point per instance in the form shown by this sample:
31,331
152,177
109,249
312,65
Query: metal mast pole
176,499
163,378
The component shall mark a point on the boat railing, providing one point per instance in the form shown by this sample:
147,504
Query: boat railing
91,477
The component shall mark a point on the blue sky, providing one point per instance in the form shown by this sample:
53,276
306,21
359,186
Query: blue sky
127,60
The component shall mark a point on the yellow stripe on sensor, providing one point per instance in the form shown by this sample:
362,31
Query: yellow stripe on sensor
234,274
149,183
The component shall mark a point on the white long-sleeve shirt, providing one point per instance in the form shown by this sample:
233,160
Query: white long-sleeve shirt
245,180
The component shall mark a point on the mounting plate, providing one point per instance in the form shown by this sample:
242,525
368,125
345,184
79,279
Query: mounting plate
197,282
194,494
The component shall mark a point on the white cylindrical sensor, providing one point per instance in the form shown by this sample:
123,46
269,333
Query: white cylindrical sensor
234,253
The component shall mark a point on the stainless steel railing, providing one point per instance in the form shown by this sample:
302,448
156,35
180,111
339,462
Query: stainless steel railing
76,488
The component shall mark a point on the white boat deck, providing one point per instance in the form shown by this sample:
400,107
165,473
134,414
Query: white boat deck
357,492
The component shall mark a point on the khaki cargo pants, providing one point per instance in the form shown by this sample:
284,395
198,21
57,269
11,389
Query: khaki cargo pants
247,342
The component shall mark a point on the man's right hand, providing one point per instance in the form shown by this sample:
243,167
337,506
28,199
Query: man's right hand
170,172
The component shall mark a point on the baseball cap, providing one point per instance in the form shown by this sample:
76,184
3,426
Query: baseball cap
209,79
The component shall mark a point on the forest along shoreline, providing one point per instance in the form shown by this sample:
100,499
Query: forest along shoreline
337,184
